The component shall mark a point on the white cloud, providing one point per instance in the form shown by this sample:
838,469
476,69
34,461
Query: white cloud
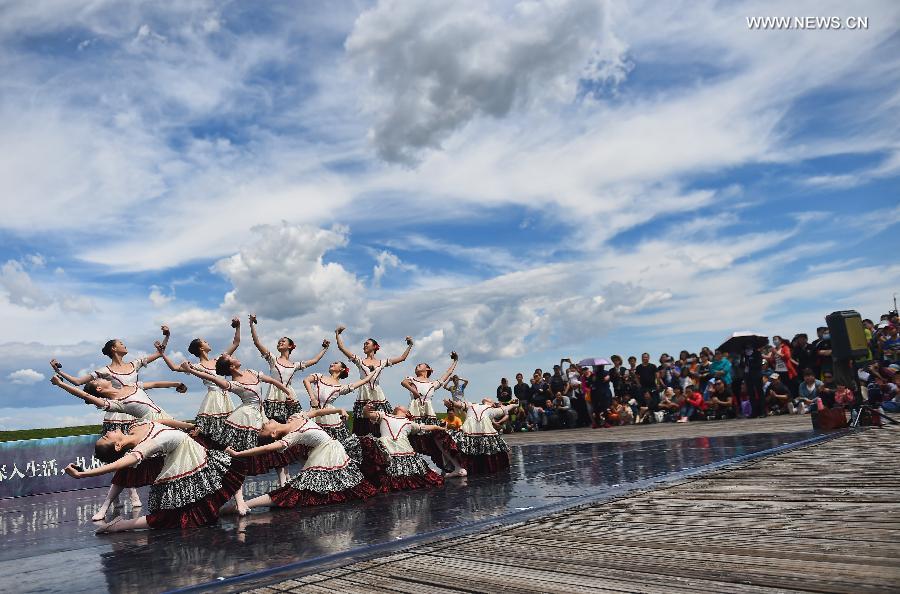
158,298
383,261
282,274
25,377
433,66
20,289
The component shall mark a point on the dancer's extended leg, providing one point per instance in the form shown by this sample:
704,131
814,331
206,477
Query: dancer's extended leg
111,497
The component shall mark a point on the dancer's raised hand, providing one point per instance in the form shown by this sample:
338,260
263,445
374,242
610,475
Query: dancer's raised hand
235,322
253,318
181,388
160,347
326,343
56,365
340,329
454,356
409,340
165,330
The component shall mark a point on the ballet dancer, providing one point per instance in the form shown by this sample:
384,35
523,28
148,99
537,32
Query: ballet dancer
216,405
192,485
328,476
135,402
370,392
278,405
119,373
390,461
323,391
423,389
477,446
242,426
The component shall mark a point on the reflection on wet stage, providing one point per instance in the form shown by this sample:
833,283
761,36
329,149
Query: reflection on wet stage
49,544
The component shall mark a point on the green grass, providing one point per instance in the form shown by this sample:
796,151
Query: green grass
56,432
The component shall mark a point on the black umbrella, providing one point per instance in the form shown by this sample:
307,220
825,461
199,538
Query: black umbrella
738,341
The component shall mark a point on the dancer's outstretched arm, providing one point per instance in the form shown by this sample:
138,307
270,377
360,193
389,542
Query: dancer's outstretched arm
236,341
179,387
220,382
176,424
317,358
253,452
362,382
161,349
402,358
164,343
122,463
259,345
88,398
327,411
340,343
274,382
78,381
450,369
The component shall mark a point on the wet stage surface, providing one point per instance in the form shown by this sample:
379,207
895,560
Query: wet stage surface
48,541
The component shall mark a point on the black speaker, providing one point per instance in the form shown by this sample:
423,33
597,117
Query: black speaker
848,338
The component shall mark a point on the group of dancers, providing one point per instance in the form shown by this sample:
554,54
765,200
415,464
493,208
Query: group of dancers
196,469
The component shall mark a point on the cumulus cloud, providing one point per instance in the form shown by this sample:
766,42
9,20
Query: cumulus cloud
282,274
20,289
25,377
158,298
435,66
383,261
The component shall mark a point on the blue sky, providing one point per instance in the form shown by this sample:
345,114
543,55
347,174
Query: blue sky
517,181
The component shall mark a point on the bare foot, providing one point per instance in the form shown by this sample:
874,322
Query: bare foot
108,527
101,514
243,510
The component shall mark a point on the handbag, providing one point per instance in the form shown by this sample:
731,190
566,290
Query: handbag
829,419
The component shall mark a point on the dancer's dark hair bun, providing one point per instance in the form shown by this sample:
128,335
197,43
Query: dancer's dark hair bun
108,347
223,366
345,371
107,452
194,347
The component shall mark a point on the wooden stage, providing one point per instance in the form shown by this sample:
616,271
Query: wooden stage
822,518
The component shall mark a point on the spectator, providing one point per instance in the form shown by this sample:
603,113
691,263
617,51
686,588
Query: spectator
693,404
720,368
619,413
667,405
780,360
632,363
844,396
778,396
457,387
721,402
452,420
504,392
828,389
563,414
753,373
809,390
703,370
822,347
646,373
557,381
521,390
889,344
601,396
802,354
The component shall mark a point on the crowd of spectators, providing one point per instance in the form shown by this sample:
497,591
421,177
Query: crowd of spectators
783,377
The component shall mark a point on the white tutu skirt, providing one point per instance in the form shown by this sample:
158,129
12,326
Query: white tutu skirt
215,408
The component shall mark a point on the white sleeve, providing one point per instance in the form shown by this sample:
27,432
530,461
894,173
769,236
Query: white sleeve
345,389
142,362
112,406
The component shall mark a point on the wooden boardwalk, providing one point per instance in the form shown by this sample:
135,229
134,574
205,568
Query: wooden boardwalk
824,518
723,428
